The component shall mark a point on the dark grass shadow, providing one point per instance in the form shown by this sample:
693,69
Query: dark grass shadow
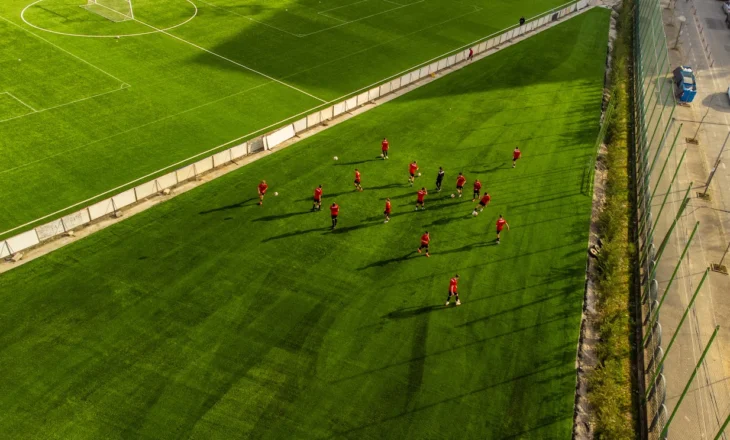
470,247
411,312
228,207
357,162
347,229
294,234
324,196
504,165
388,261
447,220
514,309
268,218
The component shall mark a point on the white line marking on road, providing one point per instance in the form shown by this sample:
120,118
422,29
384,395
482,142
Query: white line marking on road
16,98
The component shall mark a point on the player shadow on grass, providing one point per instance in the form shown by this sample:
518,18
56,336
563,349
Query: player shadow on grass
357,162
227,207
382,263
268,218
353,228
410,312
490,170
470,247
294,234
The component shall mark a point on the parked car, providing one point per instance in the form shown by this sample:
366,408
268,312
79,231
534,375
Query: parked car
726,7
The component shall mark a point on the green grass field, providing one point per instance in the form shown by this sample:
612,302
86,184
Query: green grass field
211,317
81,114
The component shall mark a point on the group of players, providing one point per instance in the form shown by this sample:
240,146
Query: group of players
420,203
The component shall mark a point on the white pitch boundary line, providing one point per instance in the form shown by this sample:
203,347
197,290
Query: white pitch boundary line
486,38
123,87
16,98
231,61
250,19
343,6
65,51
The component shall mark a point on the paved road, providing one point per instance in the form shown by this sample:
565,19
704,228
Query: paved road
704,45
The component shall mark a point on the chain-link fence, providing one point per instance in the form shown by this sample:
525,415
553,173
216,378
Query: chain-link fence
665,235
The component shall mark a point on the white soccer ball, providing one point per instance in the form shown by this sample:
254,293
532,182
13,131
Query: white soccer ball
474,213
18,59
419,174
335,157
117,37
453,195
276,193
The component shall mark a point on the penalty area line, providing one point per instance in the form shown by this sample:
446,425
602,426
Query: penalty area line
16,98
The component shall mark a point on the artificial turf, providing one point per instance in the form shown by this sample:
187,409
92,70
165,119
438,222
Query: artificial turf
105,111
211,317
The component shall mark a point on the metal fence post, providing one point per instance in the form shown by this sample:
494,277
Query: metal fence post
679,327
689,382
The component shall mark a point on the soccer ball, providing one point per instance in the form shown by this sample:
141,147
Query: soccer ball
276,194
453,195
335,157
474,213
381,155
419,174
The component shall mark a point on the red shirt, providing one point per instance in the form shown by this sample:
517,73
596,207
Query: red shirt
452,285
421,195
500,224
413,168
385,145
460,181
486,198
357,175
425,238
471,52
387,206
477,185
263,187
318,193
335,210
516,154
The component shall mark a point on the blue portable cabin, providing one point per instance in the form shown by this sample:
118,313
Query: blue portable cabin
684,79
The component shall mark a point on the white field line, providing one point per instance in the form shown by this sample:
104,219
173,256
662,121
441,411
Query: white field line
254,133
65,51
361,18
230,11
231,61
343,6
15,98
123,87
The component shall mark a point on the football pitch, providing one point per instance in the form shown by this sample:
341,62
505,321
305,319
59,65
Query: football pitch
83,112
209,316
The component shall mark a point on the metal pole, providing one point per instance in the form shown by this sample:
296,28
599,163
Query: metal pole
655,315
723,255
689,382
722,429
693,139
717,163
679,34
676,332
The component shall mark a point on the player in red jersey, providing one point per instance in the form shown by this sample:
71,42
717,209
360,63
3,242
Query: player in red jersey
425,239
453,286
334,212
384,147
515,156
486,198
358,187
419,201
501,223
471,54
460,182
262,191
317,206
477,190
412,169
387,210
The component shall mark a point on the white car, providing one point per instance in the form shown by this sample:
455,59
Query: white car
726,7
